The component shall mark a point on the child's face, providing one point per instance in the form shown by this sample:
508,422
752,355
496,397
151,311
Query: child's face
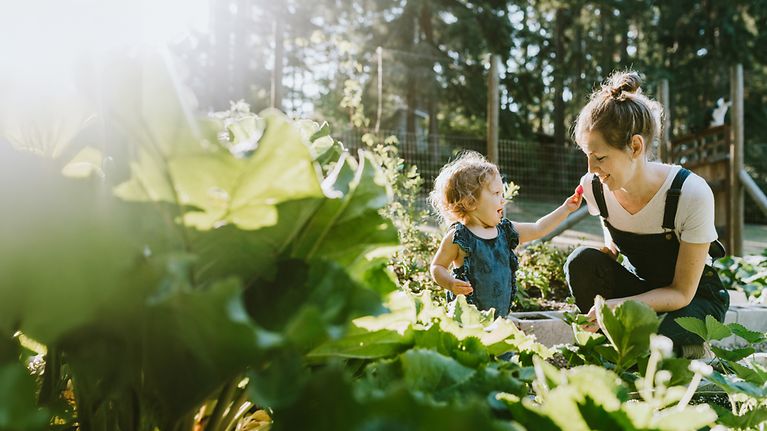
489,210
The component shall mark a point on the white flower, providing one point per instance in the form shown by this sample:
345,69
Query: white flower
700,367
661,344
662,377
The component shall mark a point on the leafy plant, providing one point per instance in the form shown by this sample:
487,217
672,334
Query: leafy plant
214,260
747,274
541,276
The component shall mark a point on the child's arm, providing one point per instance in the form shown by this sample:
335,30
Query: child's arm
447,253
532,231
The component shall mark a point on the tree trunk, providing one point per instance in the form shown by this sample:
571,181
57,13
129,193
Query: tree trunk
559,77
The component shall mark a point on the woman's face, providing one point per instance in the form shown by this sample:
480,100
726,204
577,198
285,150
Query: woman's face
614,167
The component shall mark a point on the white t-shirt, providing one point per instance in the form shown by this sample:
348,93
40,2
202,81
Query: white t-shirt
694,222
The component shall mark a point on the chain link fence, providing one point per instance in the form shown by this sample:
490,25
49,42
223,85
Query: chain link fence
755,159
544,172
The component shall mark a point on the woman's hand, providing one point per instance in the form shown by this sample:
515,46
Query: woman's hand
460,287
593,326
608,251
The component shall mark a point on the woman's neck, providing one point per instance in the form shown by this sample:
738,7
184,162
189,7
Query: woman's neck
645,183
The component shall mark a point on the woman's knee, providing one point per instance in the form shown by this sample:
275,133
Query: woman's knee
582,261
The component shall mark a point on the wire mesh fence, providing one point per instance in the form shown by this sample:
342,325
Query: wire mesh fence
755,159
544,172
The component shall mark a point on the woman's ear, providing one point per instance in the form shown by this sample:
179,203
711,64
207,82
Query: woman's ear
637,146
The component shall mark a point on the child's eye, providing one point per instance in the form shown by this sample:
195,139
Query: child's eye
599,159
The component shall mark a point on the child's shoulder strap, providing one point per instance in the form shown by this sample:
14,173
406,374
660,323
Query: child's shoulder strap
461,237
672,198
599,195
512,236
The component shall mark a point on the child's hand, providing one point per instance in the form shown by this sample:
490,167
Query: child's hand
460,287
574,202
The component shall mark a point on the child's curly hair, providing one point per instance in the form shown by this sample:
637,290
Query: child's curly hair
459,184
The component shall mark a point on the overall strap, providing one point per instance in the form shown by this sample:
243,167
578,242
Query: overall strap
672,198
599,196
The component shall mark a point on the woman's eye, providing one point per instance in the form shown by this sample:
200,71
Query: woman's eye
599,159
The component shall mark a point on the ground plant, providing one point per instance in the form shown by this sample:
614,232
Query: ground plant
747,274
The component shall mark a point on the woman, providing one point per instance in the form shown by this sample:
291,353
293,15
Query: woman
659,217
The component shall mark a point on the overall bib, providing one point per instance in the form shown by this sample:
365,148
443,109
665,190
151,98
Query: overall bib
591,272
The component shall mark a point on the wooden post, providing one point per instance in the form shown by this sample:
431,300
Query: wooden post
493,105
735,231
664,153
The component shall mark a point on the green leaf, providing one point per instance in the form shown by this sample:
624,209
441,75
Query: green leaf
628,329
527,415
345,226
228,190
368,345
747,334
429,372
266,386
283,303
599,418
680,371
694,325
331,401
206,334
732,354
732,386
715,329
18,407
748,420
752,373
688,419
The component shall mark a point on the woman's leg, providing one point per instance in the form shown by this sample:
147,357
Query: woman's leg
711,299
590,272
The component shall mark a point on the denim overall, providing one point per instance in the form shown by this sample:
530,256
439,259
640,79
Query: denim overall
591,272
490,266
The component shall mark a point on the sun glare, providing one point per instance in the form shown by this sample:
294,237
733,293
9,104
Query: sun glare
43,39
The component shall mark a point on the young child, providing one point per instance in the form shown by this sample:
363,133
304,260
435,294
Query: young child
468,192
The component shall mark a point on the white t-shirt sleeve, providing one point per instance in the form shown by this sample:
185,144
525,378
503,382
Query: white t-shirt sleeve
695,214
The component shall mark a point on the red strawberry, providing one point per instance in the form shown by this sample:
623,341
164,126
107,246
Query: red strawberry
579,190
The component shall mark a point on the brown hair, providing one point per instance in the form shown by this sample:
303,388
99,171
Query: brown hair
619,111
459,184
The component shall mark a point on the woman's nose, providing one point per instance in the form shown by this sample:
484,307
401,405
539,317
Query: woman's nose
592,168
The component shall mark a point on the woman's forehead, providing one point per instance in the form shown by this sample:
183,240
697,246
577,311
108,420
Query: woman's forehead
593,142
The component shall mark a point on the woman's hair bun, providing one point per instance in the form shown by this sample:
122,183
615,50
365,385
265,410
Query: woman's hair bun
623,82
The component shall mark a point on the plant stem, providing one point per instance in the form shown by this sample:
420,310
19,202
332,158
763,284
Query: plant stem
690,391
649,378
224,399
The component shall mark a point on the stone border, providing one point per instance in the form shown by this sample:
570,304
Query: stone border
550,329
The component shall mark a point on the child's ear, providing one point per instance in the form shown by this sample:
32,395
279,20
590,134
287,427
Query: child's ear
469,204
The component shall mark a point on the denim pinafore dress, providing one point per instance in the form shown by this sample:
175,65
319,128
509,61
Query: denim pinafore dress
490,266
